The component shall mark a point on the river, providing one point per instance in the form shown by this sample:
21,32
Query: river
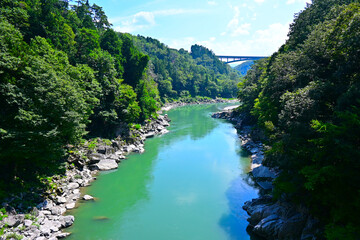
189,184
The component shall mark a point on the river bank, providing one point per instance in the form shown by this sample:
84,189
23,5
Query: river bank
46,220
172,105
270,218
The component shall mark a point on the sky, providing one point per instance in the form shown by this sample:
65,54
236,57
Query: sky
227,27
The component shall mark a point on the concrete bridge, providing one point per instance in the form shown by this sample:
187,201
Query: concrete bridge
231,59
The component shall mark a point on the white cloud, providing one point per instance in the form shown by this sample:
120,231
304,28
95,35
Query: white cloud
136,22
234,28
298,1
212,3
143,20
259,1
178,43
262,43
243,29
171,12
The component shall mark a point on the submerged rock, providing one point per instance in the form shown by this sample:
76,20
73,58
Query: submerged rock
100,218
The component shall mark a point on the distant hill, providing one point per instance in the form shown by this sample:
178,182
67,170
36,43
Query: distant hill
179,73
244,67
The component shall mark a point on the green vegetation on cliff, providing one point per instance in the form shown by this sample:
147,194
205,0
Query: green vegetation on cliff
307,99
65,75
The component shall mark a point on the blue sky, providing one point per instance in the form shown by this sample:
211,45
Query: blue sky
228,27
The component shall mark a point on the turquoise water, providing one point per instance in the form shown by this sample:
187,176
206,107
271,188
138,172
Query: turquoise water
189,184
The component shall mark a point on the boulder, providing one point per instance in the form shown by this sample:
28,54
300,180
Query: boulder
139,149
150,134
257,158
61,200
73,185
66,221
129,148
62,235
27,223
269,226
14,220
113,157
57,210
262,172
70,205
88,197
95,157
105,164
266,185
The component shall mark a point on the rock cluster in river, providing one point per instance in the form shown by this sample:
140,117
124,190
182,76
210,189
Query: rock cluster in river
268,218
46,220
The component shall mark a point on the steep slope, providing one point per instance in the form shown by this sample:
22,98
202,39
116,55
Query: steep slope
306,97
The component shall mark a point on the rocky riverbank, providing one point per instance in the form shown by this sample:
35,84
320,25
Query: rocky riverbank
269,218
172,105
47,219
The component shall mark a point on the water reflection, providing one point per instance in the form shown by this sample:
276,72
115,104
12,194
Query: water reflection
241,190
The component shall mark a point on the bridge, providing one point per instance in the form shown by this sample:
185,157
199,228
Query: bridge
231,59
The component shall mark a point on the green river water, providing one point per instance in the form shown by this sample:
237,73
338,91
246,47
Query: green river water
189,184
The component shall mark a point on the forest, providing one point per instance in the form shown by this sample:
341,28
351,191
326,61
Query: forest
306,98
66,75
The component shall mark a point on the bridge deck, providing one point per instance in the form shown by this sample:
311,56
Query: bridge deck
231,59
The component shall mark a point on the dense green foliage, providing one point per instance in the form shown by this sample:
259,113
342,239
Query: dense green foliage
65,75
183,74
307,98
244,67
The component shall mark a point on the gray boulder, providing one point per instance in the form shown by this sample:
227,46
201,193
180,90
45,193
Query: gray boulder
95,157
66,221
105,164
263,172
150,134
73,185
14,220
88,197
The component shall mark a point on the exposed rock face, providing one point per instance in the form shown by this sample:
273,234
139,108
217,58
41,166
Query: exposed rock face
280,220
